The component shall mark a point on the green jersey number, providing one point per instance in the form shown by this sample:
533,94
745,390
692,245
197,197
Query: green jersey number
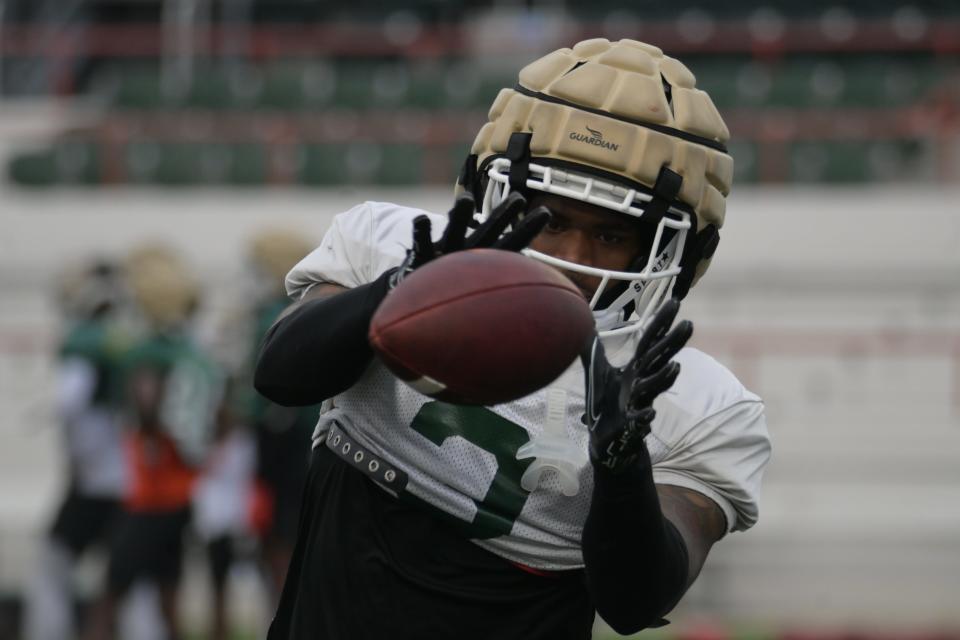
504,500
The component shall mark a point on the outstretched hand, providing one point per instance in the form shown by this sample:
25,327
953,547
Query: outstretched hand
620,400
490,234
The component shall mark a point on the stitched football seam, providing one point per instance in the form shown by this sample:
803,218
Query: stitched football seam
481,291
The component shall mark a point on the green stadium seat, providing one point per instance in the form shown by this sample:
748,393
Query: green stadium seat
427,87
33,168
791,85
184,164
67,161
164,163
216,163
210,88
317,84
364,162
745,161
248,164
77,161
283,87
831,162
361,163
178,164
389,85
353,89
322,164
401,164
138,87
244,84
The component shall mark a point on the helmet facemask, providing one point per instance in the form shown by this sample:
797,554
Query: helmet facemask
624,300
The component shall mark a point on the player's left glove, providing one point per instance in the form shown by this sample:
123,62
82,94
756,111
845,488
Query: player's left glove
489,235
620,400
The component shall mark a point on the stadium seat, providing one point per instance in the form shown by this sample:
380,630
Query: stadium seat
165,163
402,164
248,164
842,162
137,87
33,168
322,164
68,161
361,163
283,87
745,161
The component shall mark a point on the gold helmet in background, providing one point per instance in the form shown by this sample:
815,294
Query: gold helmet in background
622,126
162,286
273,253
150,252
276,251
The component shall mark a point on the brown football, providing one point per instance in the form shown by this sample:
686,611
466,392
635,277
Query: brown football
481,327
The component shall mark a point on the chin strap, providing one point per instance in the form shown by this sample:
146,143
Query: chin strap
665,191
468,178
700,247
518,153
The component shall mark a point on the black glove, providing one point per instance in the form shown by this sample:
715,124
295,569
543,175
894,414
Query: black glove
490,234
619,401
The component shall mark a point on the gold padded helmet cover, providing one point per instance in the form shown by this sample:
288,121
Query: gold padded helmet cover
274,252
622,81
601,123
163,289
271,254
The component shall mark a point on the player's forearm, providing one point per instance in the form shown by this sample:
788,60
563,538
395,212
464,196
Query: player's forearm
636,560
319,349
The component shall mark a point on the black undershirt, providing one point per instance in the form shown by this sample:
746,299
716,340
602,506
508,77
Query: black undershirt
321,348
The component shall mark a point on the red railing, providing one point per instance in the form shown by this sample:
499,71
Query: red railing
941,36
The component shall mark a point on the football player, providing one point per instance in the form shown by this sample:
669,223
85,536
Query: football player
423,519
171,392
282,432
91,297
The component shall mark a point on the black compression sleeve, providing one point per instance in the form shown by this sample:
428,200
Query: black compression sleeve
636,561
321,348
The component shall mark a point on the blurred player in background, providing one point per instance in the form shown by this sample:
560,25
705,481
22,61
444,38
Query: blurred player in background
171,391
282,432
222,505
612,167
90,297
255,436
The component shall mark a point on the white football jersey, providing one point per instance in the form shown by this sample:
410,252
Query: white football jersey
517,476
94,433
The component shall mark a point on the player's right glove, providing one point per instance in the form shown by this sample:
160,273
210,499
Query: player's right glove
490,234
620,400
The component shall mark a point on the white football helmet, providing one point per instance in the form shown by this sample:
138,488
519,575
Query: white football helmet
620,126
90,289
